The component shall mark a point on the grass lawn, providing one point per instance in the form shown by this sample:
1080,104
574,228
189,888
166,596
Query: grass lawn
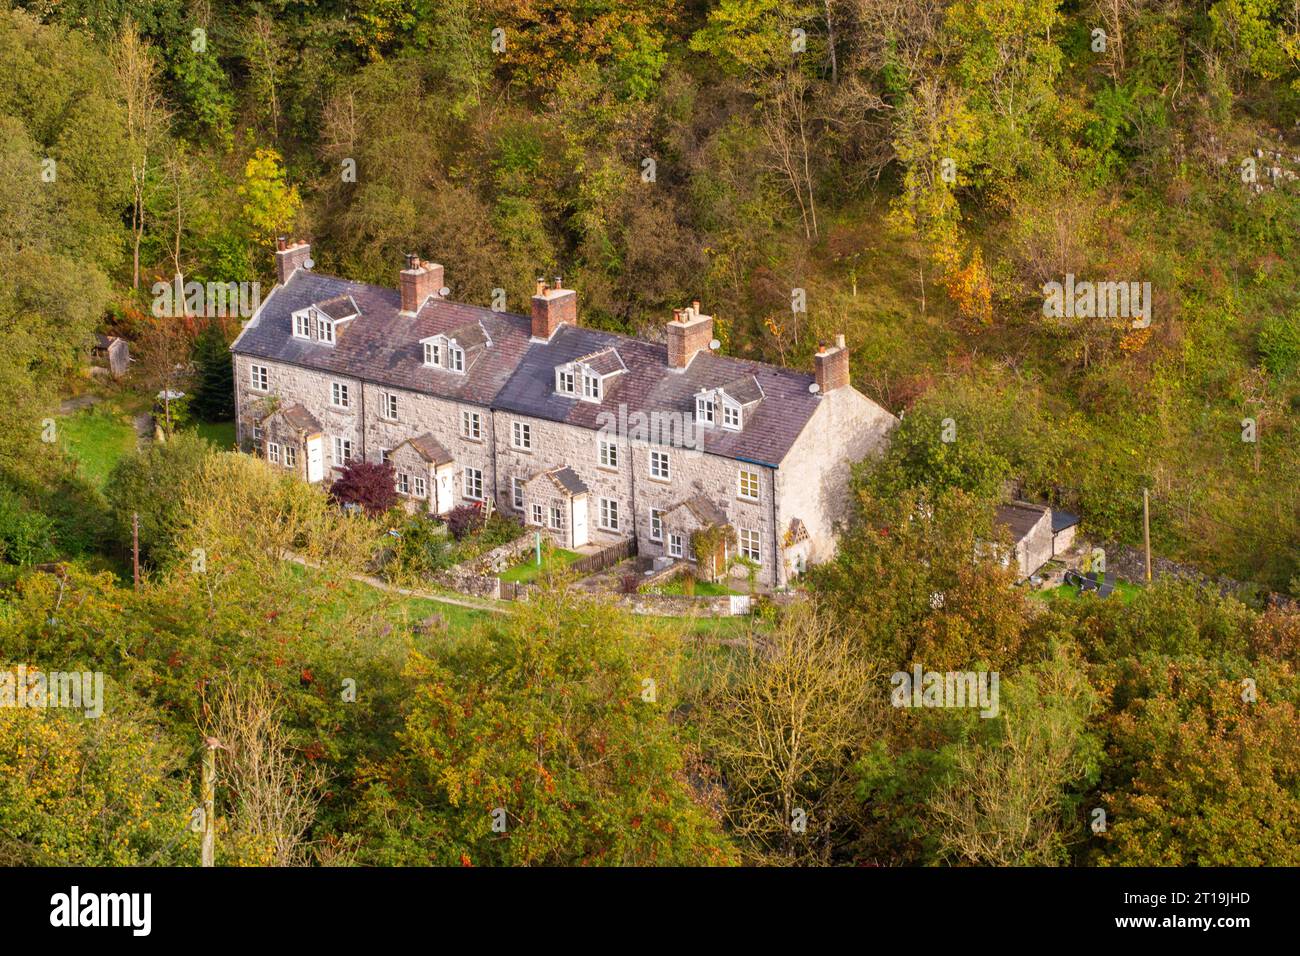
220,434
1124,590
702,588
553,560
97,437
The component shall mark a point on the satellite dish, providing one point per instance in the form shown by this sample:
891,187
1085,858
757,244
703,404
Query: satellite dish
715,345
444,292
814,387
308,263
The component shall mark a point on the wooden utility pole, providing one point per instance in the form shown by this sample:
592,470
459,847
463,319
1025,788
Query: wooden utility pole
135,548
208,846
1146,529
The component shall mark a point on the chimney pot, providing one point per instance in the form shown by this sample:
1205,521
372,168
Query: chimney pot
832,368
552,308
290,258
689,332
418,281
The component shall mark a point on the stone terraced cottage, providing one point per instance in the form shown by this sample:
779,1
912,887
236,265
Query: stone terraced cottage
592,437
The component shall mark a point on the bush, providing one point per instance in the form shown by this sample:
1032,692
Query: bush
464,520
423,547
1279,344
26,536
368,484
147,482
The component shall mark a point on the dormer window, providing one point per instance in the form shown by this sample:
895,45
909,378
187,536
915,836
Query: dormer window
451,350
730,416
301,326
704,409
588,377
325,331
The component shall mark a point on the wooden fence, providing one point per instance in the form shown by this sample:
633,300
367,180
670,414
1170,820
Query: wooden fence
605,558
590,564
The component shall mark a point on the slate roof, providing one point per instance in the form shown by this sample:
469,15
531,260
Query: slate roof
430,449
744,390
1020,517
604,362
1062,520
702,509
565,479
514,374
298,418
339,307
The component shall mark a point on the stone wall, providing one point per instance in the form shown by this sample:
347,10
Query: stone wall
478,576
814,478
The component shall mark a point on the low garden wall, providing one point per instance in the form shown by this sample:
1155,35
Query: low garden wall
478,576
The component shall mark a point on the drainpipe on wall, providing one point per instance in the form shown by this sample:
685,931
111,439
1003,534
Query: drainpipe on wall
496,491
776,536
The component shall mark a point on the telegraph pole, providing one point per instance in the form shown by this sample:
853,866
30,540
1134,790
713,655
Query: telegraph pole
209,785
1146,529
135,548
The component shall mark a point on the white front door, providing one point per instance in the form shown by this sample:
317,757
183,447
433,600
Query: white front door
444,491
579,521
315,461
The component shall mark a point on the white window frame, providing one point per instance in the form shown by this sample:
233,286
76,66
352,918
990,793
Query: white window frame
403,483
741,475
517,493
731,416
259,378
555,518
591,387
273,452
290,456
751,544
656,524
607,454
468,419
325,331
432,355
388,406
340,395
704,413
537,514
661,468
608,514
342,450
521,436
564,381
301,325
472,483
420,486
257,435
455,358
676,547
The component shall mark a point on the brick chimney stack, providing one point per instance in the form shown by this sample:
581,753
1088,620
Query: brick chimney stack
553,306
689,332
832,364
417,282
289,257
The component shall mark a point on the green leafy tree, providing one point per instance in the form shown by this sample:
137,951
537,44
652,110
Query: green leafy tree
545,738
